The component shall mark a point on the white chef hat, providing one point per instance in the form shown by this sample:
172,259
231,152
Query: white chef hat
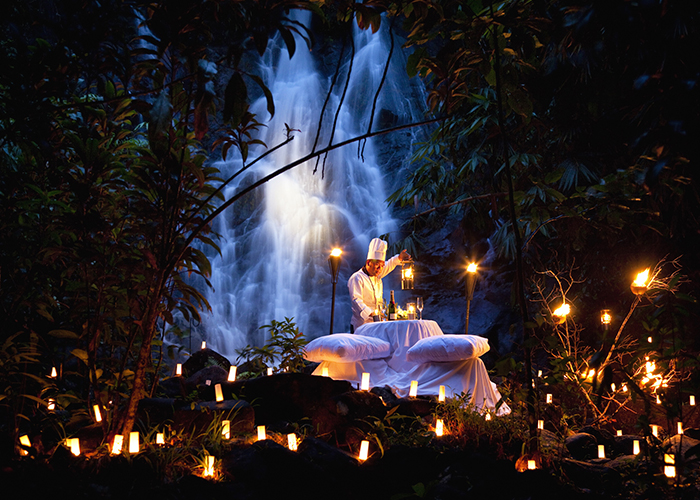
377,250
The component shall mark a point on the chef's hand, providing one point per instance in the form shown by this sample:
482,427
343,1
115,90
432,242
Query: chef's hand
404,256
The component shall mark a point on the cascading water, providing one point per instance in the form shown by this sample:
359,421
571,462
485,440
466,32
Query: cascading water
276,240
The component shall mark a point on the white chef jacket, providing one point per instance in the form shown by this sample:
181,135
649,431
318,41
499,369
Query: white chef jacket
366,291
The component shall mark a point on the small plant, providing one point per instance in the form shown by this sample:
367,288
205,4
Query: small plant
285,348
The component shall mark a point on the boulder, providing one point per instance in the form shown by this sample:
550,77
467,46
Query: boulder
597,476
582,446
204,359
189,417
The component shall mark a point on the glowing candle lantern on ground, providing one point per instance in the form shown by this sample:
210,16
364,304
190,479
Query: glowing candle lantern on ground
269,372
650,340
98,414
364,450
619,432
531,465
669,465
635,447
117,444
208,466
364,386
439,427
655,430
74,445
51,404
219,393
540,424
601,451
413,391
549,398
487,417
54,373
24,441
613,387
680,427
204,344
658,400
324,371
292,441
178,370
160,438
226,429
441,394
232,373
261,433
692,400
134,444
539,373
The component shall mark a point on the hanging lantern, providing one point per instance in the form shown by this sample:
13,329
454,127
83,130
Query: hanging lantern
407,275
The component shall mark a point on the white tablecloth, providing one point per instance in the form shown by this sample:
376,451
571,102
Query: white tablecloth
464,376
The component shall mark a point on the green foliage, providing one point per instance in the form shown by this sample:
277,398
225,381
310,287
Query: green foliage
284,348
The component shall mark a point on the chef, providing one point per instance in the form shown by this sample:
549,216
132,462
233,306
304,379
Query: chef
365,286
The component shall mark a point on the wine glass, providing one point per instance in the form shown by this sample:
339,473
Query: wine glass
381,306
419,306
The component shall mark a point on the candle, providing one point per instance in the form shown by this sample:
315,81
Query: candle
160,438
439,427
670,470
292,441
74,445
441,394
487,417
655,430
540,424
692,400
364,386
261,433
531,465
324,371
413,391
364,450
98,415
208,466
226,429
619,432
680,427
658,400
117,444
24,440
204,344
635,447
51,404
134,445
219,393
54,373
232,373
269,372
549,398
178,370
601,451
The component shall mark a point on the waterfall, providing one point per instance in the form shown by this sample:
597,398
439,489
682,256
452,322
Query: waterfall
276,240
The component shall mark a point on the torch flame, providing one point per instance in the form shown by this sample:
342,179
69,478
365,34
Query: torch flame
562,310
336,252
641,279
471,268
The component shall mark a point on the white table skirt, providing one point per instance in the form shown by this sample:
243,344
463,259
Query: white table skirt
465,376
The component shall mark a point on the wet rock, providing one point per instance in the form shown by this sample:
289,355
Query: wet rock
582,446
203,359
624,445
211,374
187,416
594,476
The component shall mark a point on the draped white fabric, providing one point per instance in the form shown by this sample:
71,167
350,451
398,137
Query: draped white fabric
465,376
